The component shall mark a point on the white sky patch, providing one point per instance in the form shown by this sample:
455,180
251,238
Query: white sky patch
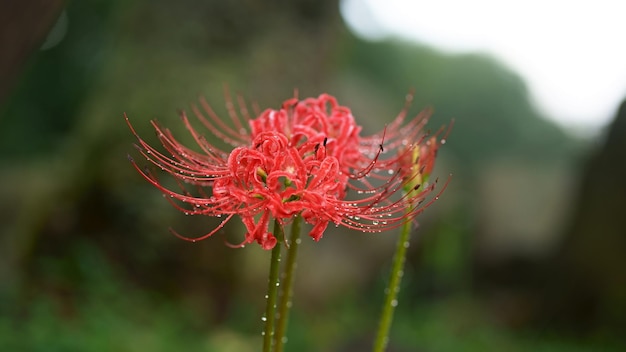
572,54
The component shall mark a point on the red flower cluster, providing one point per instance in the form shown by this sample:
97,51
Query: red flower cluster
306,159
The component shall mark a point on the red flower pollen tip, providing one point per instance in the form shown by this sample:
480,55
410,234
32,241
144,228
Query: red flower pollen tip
306,158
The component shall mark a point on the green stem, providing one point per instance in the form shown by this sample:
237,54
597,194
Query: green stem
391,293
272,290
287,290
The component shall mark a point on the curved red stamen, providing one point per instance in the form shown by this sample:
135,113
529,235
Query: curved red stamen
306,158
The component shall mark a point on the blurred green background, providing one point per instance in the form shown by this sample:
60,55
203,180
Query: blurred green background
526,250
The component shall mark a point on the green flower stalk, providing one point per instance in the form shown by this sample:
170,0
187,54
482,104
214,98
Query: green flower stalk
272,291
287,287
422,161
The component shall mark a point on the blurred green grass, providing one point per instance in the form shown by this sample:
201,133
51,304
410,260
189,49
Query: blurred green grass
111,315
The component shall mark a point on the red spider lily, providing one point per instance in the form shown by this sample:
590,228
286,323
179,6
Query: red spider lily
306,158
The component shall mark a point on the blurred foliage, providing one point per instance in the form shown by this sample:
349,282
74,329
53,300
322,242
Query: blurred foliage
114,315
87,264
47,101
489,103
